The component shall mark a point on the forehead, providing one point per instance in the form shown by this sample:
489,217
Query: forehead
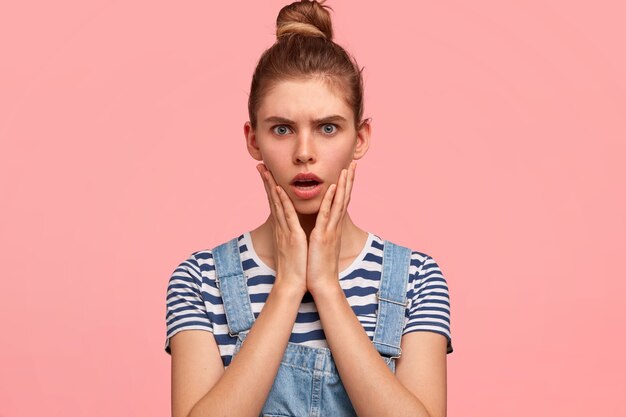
303,99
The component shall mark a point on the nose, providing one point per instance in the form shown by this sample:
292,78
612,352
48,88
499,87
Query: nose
304,151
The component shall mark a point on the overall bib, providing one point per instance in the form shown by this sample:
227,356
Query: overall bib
307,383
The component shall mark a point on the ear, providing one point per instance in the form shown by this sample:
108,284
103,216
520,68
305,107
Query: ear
251,143
363,138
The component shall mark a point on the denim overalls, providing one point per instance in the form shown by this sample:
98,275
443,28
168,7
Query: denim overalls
307,382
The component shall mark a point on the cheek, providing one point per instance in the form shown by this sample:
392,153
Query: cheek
348,146
272,155
337,166
276,164
342,158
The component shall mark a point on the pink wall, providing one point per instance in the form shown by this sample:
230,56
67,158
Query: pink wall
498,147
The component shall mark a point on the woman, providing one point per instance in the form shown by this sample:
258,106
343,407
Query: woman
308,314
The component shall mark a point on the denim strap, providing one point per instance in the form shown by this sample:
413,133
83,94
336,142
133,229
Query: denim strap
392,300
232,285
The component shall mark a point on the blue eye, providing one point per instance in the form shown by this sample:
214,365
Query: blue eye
281,130
329,128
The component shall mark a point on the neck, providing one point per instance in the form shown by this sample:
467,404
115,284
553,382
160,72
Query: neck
351,235
307,222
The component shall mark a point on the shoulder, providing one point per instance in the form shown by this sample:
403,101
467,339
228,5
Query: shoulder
419,261
422,268
195,274
200,264
429,298
196,263
423,265
425,274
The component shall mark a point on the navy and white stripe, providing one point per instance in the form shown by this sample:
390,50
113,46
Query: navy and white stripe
194,301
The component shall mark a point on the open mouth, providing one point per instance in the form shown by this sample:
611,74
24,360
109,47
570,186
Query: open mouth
306,184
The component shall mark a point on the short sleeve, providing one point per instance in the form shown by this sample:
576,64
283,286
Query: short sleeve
429,309
185,308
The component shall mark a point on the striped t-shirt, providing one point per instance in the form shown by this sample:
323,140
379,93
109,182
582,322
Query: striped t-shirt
194,301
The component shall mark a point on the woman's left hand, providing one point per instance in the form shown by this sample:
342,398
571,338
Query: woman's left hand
325,239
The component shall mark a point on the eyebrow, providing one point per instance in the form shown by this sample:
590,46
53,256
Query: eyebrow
327,119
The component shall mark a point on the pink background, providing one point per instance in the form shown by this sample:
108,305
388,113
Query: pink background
499,134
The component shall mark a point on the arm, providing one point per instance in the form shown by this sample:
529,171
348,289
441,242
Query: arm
241,390
417,389
201,386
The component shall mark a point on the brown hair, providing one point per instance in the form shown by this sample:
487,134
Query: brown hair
304,48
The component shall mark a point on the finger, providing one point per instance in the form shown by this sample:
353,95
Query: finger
291,216
270,199
278,205
324,211
261,168
351,173
336,211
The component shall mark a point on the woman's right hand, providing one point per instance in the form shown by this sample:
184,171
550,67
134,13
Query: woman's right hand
290,243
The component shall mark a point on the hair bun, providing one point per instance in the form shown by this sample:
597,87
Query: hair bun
305,18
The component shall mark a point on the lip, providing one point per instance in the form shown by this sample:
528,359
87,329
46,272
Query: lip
303,176
308,192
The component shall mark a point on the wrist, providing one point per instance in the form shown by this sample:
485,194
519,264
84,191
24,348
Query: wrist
289,289
327,288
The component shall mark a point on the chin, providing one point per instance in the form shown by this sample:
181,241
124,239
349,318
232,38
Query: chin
308,207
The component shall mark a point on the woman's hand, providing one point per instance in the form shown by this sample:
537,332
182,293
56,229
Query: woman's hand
325,240
290,245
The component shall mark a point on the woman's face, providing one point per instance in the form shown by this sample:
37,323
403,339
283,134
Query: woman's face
305,127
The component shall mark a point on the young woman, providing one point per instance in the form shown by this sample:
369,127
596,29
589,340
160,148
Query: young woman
308,314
